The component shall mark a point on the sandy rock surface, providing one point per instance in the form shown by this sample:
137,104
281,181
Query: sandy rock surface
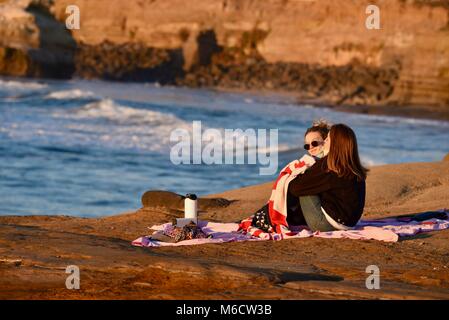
34,251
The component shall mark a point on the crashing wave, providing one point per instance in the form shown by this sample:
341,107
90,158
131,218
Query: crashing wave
70,94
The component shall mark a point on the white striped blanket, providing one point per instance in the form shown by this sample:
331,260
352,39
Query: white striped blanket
277,204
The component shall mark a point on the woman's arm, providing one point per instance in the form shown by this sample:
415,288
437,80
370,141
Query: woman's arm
314,181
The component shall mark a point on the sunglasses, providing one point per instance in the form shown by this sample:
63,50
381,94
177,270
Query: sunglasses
313,144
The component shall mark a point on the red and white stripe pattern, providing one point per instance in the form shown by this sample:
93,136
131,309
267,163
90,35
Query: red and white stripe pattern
277,204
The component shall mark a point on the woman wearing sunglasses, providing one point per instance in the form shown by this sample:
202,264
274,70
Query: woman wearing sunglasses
331,193
315,136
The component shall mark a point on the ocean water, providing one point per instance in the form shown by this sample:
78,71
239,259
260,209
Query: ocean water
92,148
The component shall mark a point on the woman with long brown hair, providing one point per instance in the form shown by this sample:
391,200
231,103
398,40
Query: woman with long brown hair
331,194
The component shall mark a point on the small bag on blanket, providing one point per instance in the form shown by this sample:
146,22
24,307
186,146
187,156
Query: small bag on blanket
172,233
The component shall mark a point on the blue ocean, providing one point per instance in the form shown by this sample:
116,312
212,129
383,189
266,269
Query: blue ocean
92,148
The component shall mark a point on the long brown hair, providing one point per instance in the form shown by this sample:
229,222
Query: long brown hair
343,157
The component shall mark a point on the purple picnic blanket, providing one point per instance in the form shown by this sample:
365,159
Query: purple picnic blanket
387,229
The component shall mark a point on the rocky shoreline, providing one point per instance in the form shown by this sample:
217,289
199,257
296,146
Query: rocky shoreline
353,85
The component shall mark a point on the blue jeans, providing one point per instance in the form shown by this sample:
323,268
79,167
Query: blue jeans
314,216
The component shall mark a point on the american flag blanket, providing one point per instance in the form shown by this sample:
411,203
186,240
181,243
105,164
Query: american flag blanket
277,204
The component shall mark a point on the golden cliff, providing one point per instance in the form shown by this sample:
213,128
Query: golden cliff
320,49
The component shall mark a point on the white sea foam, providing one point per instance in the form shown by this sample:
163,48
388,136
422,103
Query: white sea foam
108,109
70,94
22,85
125,126
146,129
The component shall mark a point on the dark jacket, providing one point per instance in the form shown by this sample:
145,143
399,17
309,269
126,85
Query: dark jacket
342,198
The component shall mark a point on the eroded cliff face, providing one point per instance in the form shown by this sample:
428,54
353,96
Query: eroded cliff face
319,49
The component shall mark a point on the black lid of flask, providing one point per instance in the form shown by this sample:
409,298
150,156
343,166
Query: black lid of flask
191,196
